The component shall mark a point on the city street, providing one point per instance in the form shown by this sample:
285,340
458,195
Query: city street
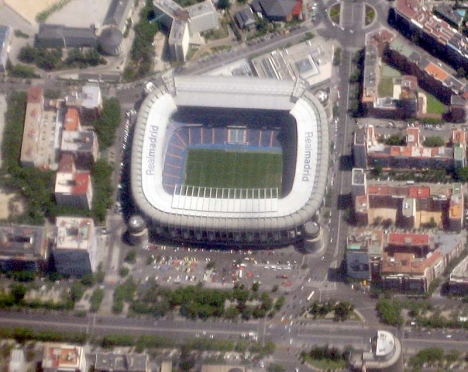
298,335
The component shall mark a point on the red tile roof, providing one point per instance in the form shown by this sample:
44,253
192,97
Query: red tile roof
406,263
408,239
35,95
297,10
418,192
437,72
412,136
459,137
83,181
72,119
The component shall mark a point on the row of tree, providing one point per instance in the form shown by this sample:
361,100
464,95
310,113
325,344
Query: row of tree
196,302
142,52
52,59
328,352
433,357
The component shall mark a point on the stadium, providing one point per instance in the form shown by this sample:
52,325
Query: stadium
229,161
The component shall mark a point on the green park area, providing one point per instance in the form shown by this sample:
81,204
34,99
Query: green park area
434,106
387,73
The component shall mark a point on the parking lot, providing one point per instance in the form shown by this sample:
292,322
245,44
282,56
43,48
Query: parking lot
173,266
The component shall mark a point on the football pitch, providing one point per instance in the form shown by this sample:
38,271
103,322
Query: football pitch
233,169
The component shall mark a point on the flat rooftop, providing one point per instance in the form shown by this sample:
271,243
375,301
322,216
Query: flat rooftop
63,357
26,243
460,273
121,362
199,9
310,60
366,239
76,183
32,126
74,233
88,97
358,176
78,141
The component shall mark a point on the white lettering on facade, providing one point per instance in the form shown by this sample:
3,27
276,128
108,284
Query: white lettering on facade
153,138
306,170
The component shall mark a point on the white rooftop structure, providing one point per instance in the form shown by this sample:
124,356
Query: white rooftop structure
89,98
74,233
17,361
311,60
386,354
211,210
385,343
203,17
185,24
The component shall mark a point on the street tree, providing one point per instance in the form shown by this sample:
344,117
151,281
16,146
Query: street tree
434,141
17,291
224,4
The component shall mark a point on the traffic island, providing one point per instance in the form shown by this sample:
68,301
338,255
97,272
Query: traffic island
334,13
370,15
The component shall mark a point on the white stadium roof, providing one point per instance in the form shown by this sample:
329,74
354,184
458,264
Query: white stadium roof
200,210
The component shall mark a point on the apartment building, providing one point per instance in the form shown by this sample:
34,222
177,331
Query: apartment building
404,261
63,358
368,151
75,250
23,248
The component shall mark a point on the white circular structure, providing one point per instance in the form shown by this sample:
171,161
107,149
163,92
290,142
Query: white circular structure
209,215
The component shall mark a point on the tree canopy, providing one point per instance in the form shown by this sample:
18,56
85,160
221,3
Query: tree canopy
142,52
101,173
462,174
434,141
395,140
107,123
51,59
390,312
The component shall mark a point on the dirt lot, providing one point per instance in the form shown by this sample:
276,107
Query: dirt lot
384,213
425,217
9,206
81,13
28,9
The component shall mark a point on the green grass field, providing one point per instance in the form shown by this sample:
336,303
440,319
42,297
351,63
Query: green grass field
434,106
233,169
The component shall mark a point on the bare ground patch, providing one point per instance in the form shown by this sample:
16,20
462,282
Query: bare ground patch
10,206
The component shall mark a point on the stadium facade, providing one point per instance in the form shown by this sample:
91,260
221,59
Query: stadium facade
207,215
